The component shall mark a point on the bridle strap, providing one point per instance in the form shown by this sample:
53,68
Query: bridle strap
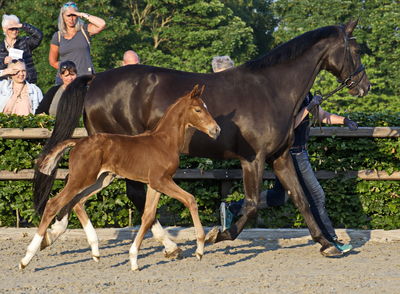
348,82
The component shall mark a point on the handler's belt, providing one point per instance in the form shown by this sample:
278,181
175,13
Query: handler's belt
297,149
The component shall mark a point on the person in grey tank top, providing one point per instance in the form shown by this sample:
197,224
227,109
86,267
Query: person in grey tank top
72,40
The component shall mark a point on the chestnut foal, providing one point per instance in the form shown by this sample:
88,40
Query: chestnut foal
151,158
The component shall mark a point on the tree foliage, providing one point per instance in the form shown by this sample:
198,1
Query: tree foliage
378,33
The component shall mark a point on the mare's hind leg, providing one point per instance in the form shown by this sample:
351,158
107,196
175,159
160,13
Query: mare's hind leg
148,217
285,171
137,194
252,179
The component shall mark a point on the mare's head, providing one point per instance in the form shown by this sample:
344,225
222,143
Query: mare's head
344,61
197,114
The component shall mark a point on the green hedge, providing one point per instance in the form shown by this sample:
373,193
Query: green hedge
351,203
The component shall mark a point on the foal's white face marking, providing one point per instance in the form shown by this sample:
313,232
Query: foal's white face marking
205,106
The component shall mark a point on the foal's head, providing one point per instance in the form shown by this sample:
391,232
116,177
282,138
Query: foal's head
197,115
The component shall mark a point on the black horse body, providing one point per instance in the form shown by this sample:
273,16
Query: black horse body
254,104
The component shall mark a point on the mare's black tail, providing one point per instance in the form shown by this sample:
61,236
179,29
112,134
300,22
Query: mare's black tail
69,111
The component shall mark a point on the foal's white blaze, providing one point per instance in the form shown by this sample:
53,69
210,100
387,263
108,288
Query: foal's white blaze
31,251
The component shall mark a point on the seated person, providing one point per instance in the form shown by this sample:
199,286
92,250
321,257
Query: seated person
17,96
50,101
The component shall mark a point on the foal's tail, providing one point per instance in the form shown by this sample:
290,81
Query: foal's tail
69,110
47,164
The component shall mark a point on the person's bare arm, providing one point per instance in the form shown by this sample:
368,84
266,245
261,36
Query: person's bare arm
53,56
96,24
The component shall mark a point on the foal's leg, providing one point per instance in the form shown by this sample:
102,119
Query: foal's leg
53,206
286,173
103,181
148,217
170,188
137,194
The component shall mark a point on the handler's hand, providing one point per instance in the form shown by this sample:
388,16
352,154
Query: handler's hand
352,125
316,101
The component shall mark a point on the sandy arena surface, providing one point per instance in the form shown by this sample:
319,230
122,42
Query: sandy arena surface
258,265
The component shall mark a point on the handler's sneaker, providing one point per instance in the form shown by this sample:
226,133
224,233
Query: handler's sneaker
344,248
226,216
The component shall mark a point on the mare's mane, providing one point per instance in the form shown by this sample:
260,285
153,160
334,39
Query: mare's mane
293,48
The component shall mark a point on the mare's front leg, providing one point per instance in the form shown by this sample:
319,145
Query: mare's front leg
148,218
285,171
252,180
136,193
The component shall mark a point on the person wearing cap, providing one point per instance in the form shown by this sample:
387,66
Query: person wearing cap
16,47
220,63
52,97
72,40
17,96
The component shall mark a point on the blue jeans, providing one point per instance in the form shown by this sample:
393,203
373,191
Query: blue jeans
312,190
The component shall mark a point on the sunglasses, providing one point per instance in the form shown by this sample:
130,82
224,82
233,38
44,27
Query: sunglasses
17,60
14,29
71,4
71,15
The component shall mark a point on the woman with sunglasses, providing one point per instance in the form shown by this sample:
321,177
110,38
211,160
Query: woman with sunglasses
20,45
50,100
17,96
72,41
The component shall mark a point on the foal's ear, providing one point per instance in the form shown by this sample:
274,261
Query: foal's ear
350,26
196,92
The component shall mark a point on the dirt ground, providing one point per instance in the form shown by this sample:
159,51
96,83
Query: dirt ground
242,266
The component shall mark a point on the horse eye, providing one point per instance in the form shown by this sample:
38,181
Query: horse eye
197,109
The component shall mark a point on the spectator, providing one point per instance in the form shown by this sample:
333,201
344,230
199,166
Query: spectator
50,100
72,41
15,47
130,57
17,96
220,63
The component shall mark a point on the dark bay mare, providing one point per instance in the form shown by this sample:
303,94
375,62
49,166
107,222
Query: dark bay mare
254,104
151,158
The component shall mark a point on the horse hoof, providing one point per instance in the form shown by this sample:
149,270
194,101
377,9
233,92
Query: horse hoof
175,254
135,269
199,256
46,241
330,251
212,235
96,258
21,266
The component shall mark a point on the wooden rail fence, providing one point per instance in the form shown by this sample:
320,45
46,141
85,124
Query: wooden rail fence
221,174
